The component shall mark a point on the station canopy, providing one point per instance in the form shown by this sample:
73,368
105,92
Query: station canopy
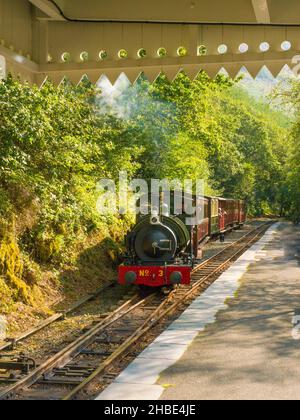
74,38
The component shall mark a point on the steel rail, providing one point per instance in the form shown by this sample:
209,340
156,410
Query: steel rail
229,246
11,342
74,348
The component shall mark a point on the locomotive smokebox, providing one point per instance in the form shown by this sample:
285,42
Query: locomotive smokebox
157,243
158,238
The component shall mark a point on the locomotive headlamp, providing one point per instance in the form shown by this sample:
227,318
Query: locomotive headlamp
130,277
176,277
154,220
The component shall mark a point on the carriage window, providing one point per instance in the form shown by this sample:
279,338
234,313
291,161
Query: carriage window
216,205
206,210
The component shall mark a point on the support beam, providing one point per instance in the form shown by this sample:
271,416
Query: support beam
48,8
2,67
261,9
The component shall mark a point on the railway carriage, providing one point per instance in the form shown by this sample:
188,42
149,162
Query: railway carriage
163,246
202,229
214,219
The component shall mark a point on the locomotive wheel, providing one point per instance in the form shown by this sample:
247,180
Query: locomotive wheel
145,291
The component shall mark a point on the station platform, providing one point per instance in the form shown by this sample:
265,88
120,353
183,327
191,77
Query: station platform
236,341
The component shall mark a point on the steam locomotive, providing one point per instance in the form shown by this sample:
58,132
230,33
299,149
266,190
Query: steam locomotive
164,246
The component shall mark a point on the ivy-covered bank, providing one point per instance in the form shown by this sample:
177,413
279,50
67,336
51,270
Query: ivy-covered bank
56,143
54,147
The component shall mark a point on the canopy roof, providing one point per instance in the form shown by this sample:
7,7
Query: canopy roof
217,11
72,38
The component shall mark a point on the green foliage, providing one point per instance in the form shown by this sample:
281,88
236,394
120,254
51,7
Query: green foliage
211,129
186,159
56,143
54,148
288,96
11,265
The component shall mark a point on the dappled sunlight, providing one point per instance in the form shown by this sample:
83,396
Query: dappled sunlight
249,351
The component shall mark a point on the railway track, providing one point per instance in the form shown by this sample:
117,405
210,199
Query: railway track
14,362
10,343
69,373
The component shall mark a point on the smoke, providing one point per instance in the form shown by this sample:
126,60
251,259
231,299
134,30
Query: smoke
264,83
134,102
111,100
152,121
